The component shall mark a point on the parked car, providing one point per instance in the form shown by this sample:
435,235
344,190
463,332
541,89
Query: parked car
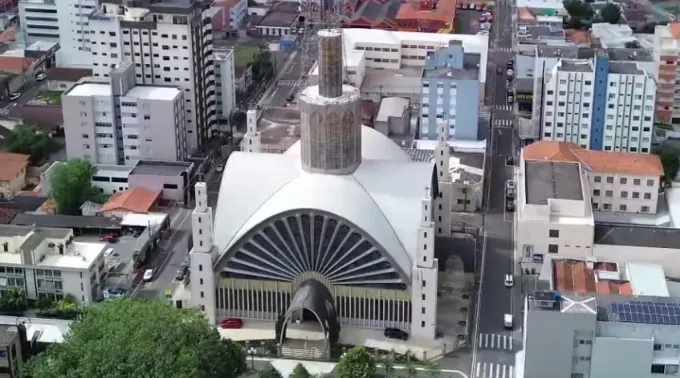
511,99
185,262
41,76
181,273
109,238
14,96
486,14
510,205
511,73
219,167
148,275
395,333
510,189
113,292
231,323
510,64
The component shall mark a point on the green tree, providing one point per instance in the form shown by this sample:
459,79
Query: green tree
410,368
356,363
269,371
300,372
262,64
71,185
580,13
611,13
25,139
139,338
14,300
432,369
669,161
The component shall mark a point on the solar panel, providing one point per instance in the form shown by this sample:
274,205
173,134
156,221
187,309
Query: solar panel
647,312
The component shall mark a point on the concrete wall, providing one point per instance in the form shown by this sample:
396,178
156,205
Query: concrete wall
459,101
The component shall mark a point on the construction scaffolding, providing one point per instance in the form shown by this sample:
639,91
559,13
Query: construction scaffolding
316,15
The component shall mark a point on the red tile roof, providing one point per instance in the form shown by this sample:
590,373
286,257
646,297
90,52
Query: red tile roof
422,11
575,276
597,161
11,165
137,200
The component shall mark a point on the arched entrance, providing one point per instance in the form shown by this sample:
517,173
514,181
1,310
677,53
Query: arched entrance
312,318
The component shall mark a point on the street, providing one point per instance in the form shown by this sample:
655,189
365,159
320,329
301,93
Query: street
495,346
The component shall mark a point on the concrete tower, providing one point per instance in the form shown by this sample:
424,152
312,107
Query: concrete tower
425,276
203,254
443,199
252,140
329,114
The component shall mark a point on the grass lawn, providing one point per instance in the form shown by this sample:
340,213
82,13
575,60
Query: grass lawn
243,54
50,97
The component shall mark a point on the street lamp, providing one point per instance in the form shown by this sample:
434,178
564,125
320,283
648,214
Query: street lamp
251,351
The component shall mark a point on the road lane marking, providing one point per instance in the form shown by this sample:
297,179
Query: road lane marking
490,370
510,368
478,371
480,342
503,372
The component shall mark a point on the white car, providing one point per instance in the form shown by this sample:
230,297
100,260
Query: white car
148,275
507,321
14,96
41,76
510,72
486,14
485,25
509,280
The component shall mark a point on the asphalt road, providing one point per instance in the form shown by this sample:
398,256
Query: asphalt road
287,83
494,346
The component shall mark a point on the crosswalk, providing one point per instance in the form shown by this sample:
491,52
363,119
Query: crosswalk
491,370
6,110
503,107
484,113
502,122
503,49
494,341
288,83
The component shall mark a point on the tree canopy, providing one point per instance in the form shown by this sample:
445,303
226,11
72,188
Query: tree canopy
269,371
611,13
580,13
356,363
139,338
670,161
300,372
71,184
25,139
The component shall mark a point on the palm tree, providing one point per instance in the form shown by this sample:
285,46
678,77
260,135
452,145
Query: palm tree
432,369
15,299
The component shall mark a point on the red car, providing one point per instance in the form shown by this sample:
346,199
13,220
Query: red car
232,323
110,238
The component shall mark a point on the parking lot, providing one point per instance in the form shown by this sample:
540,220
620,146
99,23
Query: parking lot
467,20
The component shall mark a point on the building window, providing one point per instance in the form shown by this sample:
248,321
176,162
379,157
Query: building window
610,180
597,179
200,269
623,207
636,194
422,324
553,248
624,194
648,196
644,209
554,233
423,283
650,182
608,193
658,369
623,180
596,192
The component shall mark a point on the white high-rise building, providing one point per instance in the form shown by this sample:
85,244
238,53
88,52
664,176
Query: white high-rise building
63,21
168,44
599,105
120,123
225,84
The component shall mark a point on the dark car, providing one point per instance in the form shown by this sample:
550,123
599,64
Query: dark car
510,64
395,333
510,205
499,70
181,272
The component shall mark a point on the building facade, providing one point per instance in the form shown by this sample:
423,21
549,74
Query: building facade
450,90
225,85
168,43
666,52
122,123
599,105
47,263
63,21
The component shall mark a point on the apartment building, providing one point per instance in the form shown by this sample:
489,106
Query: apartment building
48,263
63,21
225,84
666,47
393,50
618,181
12,174
450,93
122,123
599,105
168,43
13,350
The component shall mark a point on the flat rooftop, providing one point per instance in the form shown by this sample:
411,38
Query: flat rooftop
552,180
160,168
641,309
452,73
66,221
280,15
150,92
576,66
618,54
637,236
624,68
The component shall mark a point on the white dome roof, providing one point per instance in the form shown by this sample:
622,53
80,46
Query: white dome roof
381,197
374,146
